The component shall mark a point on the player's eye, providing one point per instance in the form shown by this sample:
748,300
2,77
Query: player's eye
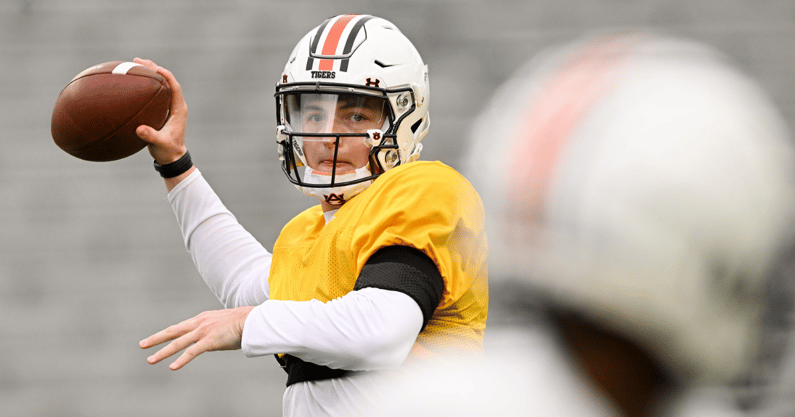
314,118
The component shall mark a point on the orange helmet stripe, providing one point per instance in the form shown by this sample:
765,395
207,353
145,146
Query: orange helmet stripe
333,40
564,102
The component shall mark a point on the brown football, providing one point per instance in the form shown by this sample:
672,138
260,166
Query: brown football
96,114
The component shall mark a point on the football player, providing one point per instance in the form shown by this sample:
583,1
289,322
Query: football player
387,272
639,194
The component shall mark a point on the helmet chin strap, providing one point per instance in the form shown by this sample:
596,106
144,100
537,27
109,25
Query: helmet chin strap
335,195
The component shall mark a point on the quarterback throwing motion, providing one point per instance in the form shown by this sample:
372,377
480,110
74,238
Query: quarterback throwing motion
386,273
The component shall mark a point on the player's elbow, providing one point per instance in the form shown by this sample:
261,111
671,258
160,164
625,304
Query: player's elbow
387,341
387,351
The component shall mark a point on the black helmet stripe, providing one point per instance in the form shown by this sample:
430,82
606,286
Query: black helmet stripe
351,39
316,41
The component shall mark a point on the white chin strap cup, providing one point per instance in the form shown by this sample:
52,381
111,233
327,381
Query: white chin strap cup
334,195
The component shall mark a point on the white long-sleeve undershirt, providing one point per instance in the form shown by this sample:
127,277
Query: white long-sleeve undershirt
232,262
369,329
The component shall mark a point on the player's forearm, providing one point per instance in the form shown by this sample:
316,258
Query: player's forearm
233,264
174,181
370,329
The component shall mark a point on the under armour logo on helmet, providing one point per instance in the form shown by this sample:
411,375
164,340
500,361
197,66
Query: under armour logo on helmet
373,83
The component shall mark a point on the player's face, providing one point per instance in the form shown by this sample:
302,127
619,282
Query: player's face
332,113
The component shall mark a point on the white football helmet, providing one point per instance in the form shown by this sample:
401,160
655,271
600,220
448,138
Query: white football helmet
643,182
345,59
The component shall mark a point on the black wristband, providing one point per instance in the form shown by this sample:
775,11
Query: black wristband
176,168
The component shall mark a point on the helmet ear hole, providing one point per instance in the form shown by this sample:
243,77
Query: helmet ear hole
416,125
388,158
391,158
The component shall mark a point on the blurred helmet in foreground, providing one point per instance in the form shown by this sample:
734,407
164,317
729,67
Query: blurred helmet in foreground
645,183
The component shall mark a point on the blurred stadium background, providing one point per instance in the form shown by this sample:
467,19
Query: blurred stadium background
91,259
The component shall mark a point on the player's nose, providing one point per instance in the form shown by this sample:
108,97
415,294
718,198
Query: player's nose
330,142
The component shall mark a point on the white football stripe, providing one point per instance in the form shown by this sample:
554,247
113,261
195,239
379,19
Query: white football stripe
124,67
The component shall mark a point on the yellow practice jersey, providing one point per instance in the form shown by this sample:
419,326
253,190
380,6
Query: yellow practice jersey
424,205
